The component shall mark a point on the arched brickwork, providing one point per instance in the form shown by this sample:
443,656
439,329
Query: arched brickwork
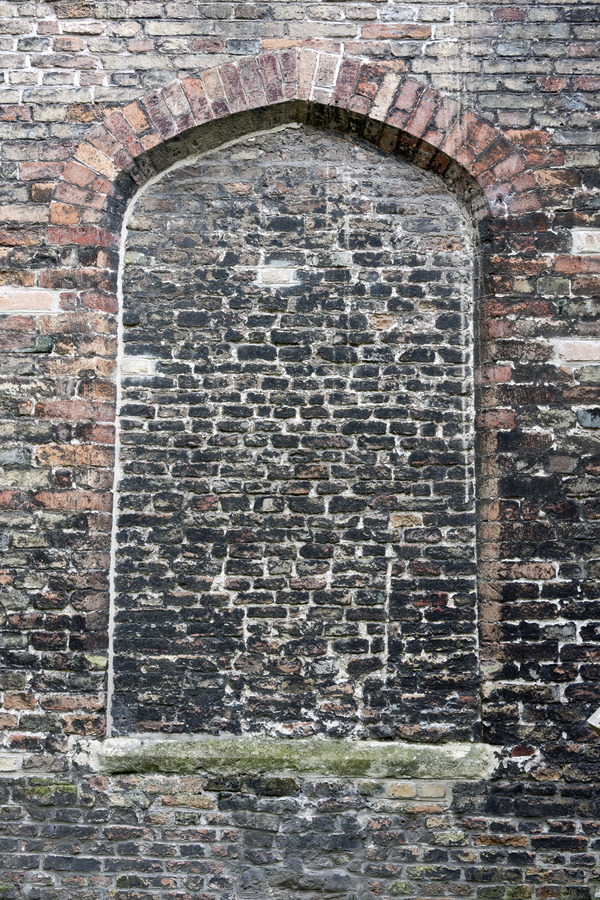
403,115
396,113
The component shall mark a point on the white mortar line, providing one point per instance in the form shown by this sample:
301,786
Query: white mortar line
117,473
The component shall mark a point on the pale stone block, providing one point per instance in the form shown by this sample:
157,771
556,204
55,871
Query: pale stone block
576,352
586,241
384,97
10,762
256,754
432,791
28,300
401,520
275,275
138,365
594,721
402,791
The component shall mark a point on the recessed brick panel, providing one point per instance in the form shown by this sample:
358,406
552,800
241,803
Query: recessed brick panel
295,544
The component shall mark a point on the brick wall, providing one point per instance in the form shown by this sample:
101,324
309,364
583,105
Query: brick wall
498,99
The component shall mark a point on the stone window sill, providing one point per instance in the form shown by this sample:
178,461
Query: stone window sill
251,754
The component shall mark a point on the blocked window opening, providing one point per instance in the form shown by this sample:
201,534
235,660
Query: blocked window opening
295,543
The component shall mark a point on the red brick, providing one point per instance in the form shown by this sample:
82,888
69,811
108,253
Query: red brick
101,138
75,410
345,82
13,112
13,500
422,113
208,45
522,203
74,500
48,27
64,214
536,571
481,137
499,150
360,105
498,418
487,374
77,455
99,434
215,93
137,118
118,125
268,64
251,83
160,114
577,265
79,723
233,87
87,236
509,167
197,99
552,83
586,285
288,63
509,14
70,193
457,138
97,160
445,116
587,83
177,104
532,138
32,171
19,700
70,702
8,721
77,173
368,80
98,301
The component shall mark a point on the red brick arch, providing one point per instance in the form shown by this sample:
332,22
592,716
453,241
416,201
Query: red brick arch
395,113
403,115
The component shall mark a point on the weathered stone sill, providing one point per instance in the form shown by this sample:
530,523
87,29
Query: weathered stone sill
317,756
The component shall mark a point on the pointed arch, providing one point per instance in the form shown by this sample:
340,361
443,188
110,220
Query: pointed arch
395,112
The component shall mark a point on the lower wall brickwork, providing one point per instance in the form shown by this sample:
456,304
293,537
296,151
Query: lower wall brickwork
128,837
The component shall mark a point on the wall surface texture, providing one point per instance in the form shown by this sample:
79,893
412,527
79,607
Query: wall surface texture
299,415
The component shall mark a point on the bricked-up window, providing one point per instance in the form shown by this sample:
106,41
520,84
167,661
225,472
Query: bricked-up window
295,547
